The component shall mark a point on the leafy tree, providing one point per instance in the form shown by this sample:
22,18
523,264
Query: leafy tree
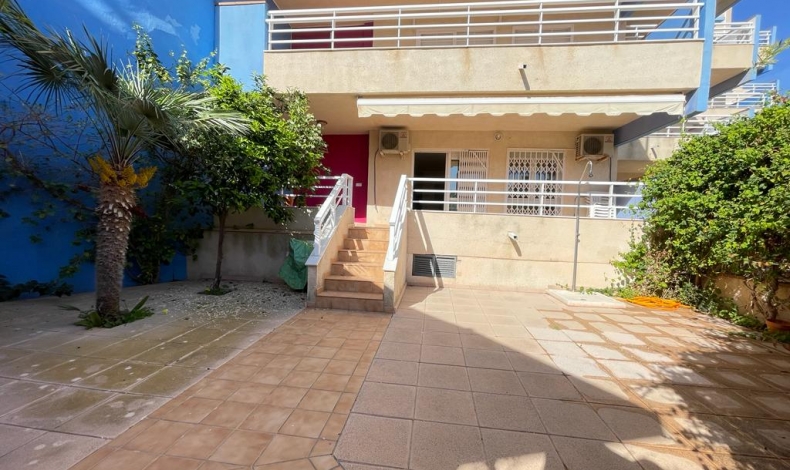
719,205
130,110
235,173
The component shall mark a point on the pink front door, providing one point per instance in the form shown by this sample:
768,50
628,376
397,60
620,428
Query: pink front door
349,154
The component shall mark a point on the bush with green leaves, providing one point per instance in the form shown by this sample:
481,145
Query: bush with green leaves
720,205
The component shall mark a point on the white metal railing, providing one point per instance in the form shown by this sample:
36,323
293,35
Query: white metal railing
397,224
766,37
319,191
699,125
513,22
600,199
751,95
328,216
742,32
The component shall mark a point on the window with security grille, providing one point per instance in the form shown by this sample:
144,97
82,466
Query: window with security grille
472,165
531,172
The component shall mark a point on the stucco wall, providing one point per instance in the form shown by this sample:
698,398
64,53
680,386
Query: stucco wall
542,256
384,171
255,253
584,69
734,288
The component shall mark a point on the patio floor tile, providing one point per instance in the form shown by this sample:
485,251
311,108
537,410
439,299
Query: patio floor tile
445,406
439,446
571,419
375,440
507,412
519,450
456,386
583,454
443,376
495,381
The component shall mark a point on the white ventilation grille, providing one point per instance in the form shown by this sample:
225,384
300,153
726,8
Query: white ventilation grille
434,266
537,165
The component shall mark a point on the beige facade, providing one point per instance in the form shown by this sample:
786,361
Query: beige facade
564,69
385,170
541,257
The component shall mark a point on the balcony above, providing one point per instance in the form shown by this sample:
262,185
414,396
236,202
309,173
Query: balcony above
561,47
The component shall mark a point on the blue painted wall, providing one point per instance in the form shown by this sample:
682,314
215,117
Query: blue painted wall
242,37
237,32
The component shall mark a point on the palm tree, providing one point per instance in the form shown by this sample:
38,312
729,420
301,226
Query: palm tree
131,112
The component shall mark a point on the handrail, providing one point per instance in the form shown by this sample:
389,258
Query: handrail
699,125
397,223
480,24
525,197
743,32
766,37
328,216
314,194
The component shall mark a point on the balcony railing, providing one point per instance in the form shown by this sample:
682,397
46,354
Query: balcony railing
600,200
751,95
500,23
699,125
766,37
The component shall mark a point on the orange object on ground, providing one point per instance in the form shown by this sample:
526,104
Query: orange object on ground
655,302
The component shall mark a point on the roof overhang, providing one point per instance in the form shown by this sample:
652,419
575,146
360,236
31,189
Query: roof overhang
643,105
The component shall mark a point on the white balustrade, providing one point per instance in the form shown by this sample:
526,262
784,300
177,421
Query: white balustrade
328,216
397,224
601,199
500,23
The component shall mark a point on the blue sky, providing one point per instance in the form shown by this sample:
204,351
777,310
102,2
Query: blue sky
774,13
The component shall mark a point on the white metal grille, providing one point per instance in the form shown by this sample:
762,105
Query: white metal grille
472,164
534,197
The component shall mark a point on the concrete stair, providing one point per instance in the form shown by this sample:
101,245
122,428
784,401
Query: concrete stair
356,278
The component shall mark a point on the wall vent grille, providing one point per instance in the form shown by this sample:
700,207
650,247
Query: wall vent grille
434,266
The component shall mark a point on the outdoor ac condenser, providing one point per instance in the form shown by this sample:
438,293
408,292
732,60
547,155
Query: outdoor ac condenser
595,147
393,141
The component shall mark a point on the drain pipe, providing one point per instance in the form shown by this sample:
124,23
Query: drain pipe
588,171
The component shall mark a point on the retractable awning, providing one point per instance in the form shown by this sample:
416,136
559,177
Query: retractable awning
642,105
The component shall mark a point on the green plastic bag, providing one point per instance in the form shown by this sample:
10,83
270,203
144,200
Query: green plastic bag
293,270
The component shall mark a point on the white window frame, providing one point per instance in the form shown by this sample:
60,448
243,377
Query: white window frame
537,204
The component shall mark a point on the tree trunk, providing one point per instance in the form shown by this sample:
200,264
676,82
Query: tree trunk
218,270
772,289
114,211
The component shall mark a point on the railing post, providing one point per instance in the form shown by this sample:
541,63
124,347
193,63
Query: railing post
542,197
540,24
474,208
617,21
400,15
332,33
468,24
613,206
269,28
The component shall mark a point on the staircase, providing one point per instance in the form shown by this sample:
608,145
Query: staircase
356,280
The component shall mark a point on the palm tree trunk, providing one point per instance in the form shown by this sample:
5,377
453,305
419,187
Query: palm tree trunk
218,270
114,211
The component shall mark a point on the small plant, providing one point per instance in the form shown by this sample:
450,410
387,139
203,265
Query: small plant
10,291
221,290
92,319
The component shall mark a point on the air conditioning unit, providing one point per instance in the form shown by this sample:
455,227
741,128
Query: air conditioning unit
393,141
595,147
